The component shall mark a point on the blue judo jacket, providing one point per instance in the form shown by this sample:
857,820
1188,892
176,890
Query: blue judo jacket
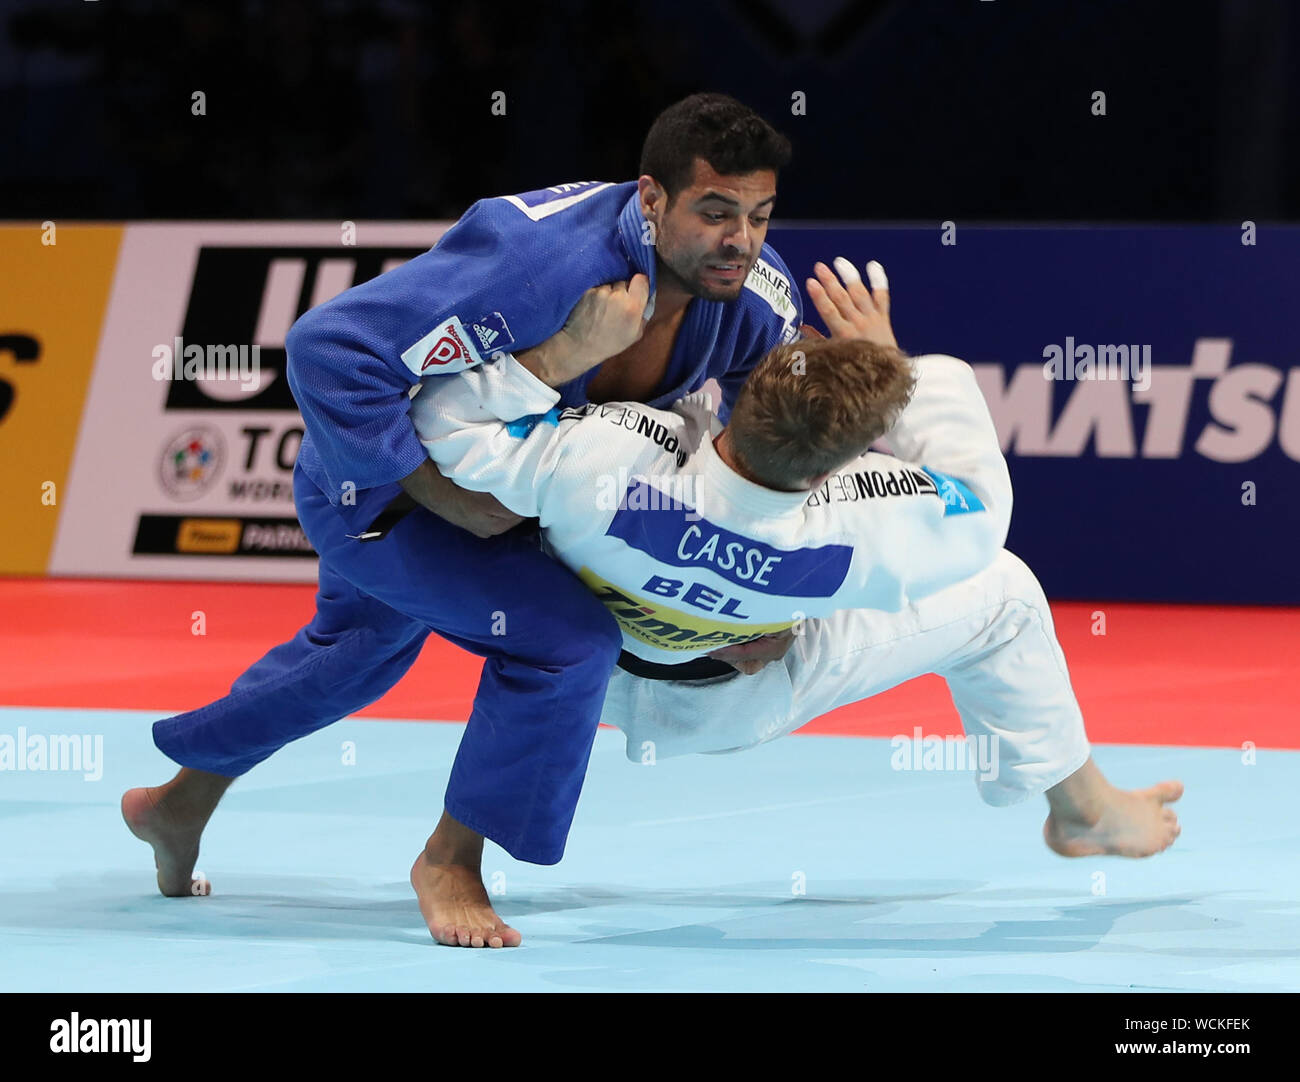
503,279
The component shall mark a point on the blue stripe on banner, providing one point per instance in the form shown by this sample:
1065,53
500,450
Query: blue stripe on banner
957,497
671,532
525,425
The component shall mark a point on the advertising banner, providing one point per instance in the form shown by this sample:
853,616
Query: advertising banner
54,285
1145,384
190,430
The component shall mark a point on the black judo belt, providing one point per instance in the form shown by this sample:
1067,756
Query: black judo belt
398,508
701,668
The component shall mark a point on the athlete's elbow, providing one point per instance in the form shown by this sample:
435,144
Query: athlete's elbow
998,498
303,342
1002,510
301,346
998,523
993,542
993,527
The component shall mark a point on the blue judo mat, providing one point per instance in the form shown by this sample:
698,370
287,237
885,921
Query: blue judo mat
808,864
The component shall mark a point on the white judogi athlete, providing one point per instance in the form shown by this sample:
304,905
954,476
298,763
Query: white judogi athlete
690,556
900,557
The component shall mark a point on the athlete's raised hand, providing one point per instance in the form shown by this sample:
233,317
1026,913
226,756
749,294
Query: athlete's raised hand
849,308
605,321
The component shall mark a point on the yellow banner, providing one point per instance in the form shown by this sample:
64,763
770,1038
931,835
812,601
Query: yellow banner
655,624
54,287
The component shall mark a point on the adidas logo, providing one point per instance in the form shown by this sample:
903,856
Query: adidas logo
486,335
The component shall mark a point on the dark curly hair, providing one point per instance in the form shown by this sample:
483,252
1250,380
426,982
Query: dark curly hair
730,136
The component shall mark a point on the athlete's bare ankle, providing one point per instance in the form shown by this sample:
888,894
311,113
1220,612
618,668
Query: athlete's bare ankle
1082,797
191,795
454,843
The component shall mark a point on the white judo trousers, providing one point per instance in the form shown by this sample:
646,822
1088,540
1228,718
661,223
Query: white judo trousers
990,637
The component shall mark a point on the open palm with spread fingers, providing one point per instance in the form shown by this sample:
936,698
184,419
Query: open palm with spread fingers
849,308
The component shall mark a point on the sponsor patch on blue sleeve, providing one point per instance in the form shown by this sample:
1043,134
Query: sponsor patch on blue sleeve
493,333
524,425
957,497
445,349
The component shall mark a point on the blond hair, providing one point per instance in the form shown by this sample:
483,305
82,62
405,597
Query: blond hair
811,406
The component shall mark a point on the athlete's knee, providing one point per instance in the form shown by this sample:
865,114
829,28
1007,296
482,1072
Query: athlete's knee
600,633
586,635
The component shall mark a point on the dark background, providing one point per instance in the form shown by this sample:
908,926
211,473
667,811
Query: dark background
923,110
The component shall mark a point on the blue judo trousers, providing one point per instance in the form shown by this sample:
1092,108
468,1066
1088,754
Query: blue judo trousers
520,766
505,277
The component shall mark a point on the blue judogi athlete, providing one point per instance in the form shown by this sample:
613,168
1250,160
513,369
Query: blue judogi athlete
505,278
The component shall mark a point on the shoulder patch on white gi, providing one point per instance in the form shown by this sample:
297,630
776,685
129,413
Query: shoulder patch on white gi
958,499
774,287
447,348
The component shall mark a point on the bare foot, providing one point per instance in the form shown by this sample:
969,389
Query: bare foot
449,885
455,906
171,819
1123,823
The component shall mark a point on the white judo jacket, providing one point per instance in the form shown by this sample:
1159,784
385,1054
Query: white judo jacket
688,555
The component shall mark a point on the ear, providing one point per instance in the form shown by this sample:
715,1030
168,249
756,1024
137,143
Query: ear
653,198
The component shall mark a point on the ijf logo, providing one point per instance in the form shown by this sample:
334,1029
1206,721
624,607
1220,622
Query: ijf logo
191,461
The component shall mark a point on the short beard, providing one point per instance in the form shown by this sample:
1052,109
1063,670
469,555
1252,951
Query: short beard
697,288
